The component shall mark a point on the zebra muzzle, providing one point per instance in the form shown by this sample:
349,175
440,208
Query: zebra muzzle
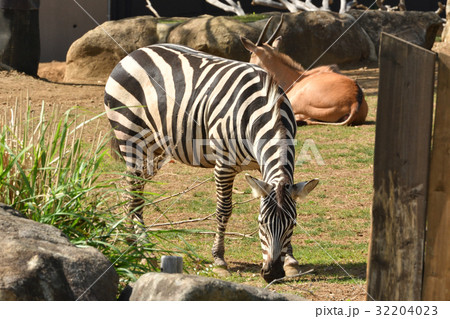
273,270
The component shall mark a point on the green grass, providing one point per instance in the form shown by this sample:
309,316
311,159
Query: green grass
250,17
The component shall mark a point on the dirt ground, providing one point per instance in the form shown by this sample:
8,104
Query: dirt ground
18,87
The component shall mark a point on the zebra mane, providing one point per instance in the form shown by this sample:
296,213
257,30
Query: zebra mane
281,189
274,94
275,98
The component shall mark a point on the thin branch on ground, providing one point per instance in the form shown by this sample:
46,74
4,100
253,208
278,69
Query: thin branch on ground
184,221
152,228
288,277
245,201
229,234
179,193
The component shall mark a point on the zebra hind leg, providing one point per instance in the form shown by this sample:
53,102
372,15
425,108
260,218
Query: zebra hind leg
143,161
134,196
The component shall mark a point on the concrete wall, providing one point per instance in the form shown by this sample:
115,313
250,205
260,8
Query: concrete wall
62,22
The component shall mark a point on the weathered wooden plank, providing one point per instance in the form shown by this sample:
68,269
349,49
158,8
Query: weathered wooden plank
437,260
402,146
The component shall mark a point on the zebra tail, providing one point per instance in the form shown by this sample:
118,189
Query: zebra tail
114,145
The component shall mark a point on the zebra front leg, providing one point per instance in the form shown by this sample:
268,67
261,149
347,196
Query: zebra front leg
224,178
291,266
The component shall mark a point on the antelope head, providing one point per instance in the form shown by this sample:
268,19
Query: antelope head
263,51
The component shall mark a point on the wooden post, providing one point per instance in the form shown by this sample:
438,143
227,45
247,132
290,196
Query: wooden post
437,261
402,147
172,264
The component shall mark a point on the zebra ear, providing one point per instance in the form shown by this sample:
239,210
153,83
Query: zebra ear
300,190
259,187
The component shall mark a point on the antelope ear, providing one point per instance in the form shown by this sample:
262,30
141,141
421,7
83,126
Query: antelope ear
276,43
259,187
249,45
300,190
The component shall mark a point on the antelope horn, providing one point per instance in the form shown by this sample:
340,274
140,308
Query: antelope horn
276,31
263,32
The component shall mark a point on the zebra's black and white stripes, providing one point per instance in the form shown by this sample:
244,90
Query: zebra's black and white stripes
171,101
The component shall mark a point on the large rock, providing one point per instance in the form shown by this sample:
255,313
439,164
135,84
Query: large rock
308,36
165,26
92,57
416,27
37,262
215,35
179,287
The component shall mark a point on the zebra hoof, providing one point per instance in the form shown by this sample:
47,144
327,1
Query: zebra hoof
291,266
292,270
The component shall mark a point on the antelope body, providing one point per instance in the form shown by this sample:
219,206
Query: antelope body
318,96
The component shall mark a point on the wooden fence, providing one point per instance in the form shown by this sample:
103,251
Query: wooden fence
404,179
436,284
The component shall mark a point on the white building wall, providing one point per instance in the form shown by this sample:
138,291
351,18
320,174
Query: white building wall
61,22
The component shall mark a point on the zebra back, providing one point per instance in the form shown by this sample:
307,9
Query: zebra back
196,107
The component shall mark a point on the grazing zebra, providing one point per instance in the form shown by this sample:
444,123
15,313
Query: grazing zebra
171,101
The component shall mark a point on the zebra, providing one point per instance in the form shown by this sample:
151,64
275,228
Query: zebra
170,101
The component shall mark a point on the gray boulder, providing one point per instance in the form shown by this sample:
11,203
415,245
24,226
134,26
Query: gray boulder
416,27
165,26
37,262
308,36
180,287
215,35
92,57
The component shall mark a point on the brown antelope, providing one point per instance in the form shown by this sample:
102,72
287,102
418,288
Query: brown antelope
318,96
